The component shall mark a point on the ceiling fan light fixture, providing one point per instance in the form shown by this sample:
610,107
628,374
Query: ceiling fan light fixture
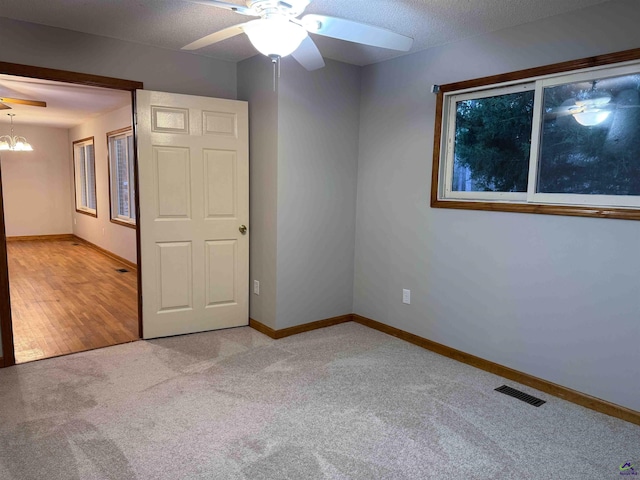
592,110
591,118
275,35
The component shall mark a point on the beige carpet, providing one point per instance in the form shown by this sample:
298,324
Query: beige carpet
344,402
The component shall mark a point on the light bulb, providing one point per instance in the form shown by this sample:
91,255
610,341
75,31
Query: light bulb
275,35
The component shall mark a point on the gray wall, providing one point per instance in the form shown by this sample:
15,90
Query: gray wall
255,85
304,155
555,297
159,69
317,173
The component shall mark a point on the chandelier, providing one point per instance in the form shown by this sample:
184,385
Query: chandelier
14,143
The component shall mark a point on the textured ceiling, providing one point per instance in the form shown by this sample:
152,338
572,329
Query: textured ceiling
67,104
174,23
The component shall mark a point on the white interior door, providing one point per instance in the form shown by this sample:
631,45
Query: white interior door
193,166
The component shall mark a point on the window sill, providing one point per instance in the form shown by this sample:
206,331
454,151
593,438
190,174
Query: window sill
123,223
88,212
567,210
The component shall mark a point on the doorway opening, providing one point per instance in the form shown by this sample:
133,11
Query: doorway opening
69,261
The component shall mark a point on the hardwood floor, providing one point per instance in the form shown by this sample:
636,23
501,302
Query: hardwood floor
67,297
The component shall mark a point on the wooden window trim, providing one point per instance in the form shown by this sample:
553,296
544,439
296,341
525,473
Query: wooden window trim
123,223
111,219
89,214
75,179
568,210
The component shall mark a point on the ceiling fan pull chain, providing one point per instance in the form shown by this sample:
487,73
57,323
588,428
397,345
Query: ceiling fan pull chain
275,60
274,74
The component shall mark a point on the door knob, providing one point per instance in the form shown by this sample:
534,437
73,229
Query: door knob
243,229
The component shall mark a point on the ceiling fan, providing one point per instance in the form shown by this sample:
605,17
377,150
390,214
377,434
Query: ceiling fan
592,107
19,101
588,112
279,32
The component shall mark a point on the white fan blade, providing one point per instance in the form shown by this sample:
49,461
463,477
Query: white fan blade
215,37
356,32
308,55
227,6
563,111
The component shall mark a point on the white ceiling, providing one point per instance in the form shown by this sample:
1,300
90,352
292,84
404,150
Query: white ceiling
68,105
174,23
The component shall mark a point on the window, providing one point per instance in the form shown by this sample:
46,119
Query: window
490,138
556,140
85,176
122,188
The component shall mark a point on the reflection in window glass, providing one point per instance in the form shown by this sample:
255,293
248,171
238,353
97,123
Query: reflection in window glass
591,138
492,143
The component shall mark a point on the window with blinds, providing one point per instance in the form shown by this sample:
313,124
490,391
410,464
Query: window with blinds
85,176
121,173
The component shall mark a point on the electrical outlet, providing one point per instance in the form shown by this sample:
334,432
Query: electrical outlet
75,221
256,287
406,296
103,232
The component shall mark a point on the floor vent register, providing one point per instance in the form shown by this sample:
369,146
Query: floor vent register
531,400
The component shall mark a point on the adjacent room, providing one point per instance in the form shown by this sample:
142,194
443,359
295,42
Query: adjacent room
71,241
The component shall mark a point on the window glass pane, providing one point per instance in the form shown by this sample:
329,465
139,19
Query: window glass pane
591,137
122,170
122,179
91,177
132,185
492,143
83,176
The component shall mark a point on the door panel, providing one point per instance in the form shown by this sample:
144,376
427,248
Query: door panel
194,195
220,178
172,172
175,278
220,263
